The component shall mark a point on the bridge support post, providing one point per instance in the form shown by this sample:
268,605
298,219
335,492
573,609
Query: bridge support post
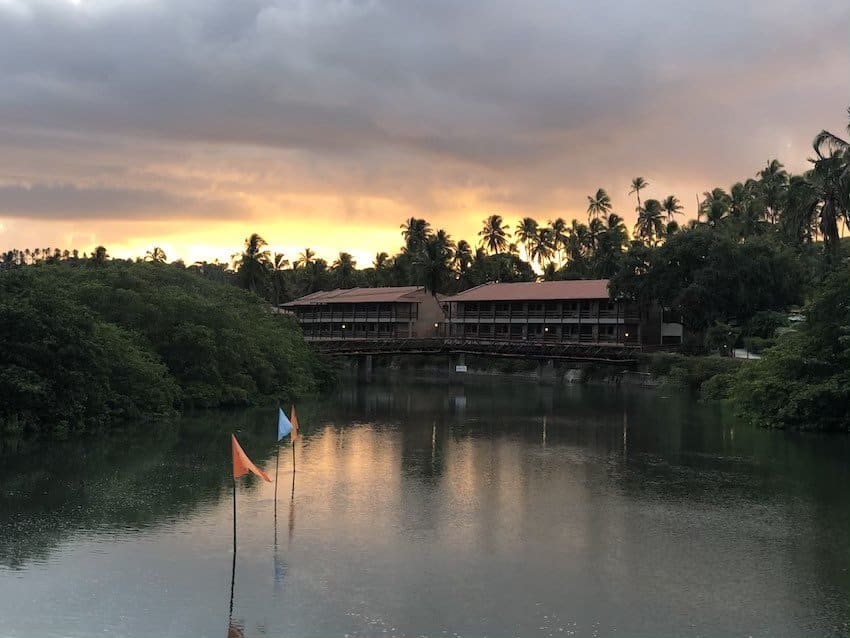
546,371
364,367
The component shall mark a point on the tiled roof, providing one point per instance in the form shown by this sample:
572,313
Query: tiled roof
357,295
536,291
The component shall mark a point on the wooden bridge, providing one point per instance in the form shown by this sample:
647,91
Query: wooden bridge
609,353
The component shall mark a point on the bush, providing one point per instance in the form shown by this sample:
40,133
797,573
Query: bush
786,389
718,387
690,373
660,363
803,382
757,345
764,324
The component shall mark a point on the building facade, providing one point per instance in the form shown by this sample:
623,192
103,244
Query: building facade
368,313
580,311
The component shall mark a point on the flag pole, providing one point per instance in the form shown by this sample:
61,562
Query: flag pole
276,466
233,566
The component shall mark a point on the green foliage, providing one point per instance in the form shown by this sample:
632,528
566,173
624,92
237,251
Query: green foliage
85,347
705,276
718,387
660,363
757,345
804,381
689,373
764,324
720,338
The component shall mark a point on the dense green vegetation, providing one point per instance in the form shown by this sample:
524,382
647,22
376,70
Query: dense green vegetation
803,382
84,344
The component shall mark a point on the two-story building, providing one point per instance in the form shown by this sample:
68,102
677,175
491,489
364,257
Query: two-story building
368,313
555,311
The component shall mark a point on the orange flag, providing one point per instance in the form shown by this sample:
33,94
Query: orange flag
293,419
242,464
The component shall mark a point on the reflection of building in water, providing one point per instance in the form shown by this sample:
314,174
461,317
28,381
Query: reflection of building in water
457,400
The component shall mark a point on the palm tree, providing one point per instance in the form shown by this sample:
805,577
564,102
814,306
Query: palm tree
609,237
252,264
415,232
773,184
558,228
445,240
155,255
616,231
594,230
526,234
638,184
433,262
494,237
463,256
99,256
598,204
577,243
542,249
715,206
343,270
671,228
277,266
746,208
800,219
672,206
380,261
826,144
830,178
306,258
650,225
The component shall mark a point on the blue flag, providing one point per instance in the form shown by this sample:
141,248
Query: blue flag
284,426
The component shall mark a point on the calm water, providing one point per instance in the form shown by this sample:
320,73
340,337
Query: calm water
428,510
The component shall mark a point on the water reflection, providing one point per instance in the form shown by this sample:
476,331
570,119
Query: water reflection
498,509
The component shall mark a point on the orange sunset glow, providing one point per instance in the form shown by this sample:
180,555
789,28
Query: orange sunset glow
325,126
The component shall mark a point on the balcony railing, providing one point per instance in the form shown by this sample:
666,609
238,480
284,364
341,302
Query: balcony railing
355,316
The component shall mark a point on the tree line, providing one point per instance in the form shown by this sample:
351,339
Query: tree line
85,347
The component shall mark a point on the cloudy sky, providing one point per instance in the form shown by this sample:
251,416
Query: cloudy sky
325,123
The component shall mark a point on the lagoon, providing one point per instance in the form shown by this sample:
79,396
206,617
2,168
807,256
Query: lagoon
490,508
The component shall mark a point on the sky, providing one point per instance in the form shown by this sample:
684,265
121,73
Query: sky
189,124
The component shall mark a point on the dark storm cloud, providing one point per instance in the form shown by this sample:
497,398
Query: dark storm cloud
67,201
535,92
